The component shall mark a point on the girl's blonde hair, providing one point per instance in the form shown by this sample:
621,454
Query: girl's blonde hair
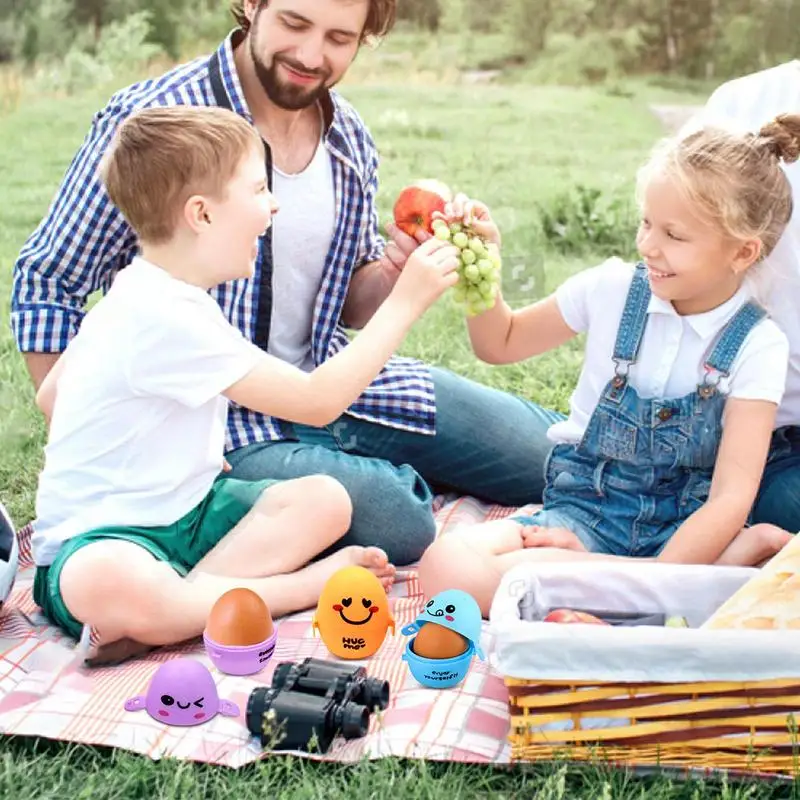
734,181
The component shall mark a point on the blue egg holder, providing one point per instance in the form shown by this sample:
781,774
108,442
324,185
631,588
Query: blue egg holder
444,673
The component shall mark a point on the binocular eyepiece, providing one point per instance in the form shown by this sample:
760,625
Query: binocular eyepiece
313,701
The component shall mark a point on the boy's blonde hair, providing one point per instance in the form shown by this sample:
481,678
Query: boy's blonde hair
160,157
734,181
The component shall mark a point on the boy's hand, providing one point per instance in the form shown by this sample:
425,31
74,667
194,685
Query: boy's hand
474,214
429,271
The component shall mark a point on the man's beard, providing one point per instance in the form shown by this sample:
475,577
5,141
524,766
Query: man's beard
283,95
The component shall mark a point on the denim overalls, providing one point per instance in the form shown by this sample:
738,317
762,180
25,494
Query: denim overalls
642,466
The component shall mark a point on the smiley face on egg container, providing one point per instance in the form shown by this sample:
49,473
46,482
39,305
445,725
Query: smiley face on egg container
352,615
182,692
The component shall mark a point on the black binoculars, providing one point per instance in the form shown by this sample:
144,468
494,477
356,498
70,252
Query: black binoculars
311,702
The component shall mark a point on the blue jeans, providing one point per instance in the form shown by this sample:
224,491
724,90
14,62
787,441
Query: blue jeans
488,444
778,499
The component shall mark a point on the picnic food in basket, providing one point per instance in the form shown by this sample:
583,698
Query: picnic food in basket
240,636
770,600
479,270
352,615
566,616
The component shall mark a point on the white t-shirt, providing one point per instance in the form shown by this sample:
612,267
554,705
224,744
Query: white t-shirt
138,429
301,238
744,105
670,359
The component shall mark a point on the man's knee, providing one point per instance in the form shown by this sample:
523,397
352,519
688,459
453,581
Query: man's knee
392,509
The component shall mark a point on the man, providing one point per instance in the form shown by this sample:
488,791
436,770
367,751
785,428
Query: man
322,266
747,103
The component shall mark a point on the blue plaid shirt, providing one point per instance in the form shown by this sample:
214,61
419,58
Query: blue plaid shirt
83,241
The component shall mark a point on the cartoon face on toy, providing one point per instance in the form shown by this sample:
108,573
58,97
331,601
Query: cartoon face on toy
451,609
454,607
352,615
182,692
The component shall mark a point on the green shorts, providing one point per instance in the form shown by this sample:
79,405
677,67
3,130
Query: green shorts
181,544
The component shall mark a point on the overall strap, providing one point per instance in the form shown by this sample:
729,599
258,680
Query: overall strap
632,323
727,345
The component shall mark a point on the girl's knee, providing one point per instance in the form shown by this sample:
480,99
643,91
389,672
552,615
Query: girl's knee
451,563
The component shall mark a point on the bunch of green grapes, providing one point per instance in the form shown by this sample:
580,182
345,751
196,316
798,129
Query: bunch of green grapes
479,271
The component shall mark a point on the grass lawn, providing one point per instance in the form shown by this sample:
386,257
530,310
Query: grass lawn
515,146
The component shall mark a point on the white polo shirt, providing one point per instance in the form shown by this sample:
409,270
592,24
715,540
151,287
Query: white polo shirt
673,348
745,104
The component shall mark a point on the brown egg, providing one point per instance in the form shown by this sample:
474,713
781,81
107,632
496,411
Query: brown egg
238,619
436,641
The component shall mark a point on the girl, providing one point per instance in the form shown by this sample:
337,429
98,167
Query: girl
669,426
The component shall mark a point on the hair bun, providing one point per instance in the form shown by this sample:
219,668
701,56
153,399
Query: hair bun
782,137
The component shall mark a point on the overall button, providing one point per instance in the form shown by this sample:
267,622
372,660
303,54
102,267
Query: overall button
664,414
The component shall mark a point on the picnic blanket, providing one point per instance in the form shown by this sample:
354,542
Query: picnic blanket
45,690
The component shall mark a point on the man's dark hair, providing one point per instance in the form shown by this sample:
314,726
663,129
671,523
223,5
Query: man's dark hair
380,19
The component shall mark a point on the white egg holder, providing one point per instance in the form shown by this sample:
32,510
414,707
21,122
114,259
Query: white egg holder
527,648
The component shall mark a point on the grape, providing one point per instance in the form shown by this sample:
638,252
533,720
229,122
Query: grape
442,233
479,271
460,240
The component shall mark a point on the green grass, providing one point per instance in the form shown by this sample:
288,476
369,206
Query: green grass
513,145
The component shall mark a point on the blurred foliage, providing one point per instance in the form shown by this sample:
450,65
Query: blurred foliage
568,41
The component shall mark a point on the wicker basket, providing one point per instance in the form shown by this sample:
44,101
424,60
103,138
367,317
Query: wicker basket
739,726
743,725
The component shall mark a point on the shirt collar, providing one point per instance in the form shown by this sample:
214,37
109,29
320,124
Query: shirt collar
707,324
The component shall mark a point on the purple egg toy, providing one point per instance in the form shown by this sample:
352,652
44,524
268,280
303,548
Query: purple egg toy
182,692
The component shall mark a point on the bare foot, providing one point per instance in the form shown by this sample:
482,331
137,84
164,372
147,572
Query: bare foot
561,538
372,558
754,546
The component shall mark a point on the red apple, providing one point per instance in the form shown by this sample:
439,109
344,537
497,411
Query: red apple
570,617
415,205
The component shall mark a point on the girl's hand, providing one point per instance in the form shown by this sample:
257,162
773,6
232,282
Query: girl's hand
473,214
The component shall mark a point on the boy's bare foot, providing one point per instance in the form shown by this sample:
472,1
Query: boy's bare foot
561,538
372,558
754,546
107,655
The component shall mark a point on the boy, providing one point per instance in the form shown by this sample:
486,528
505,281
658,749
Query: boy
137,532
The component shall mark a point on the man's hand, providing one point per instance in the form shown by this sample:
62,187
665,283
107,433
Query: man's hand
399,247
